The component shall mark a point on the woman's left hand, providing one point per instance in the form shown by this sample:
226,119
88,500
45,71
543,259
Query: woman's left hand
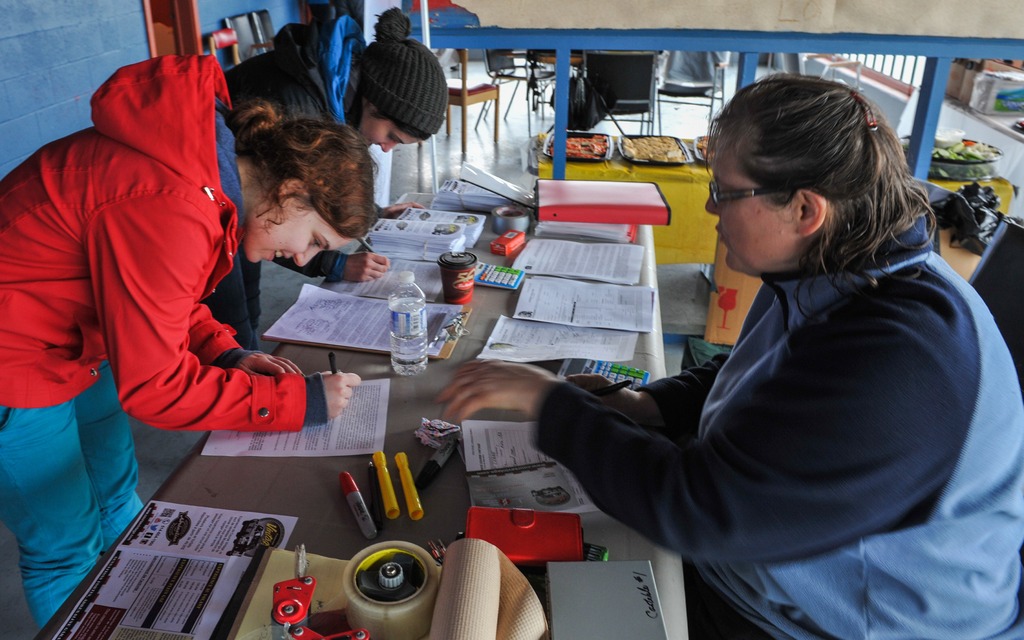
393,210
263,364
361,267
491,384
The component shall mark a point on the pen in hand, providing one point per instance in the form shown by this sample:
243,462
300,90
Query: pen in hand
612,388
365,245
333,361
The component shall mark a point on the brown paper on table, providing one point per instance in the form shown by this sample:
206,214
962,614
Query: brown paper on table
483,596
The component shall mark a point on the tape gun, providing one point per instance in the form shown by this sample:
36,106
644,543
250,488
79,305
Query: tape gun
292,600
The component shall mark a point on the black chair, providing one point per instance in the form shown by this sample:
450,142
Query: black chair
999,280
506,65
630,76
255,32
695,78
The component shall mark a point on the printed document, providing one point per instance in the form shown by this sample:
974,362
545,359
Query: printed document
505,470
332,319
428,278
526,341
588,304
174,574
607,262
358,430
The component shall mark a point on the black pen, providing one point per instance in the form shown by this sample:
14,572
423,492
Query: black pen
433,466
612,388
375,504
333,361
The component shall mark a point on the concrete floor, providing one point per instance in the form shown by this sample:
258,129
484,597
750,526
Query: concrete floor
684,290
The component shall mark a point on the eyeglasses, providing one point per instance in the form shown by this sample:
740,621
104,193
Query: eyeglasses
718,196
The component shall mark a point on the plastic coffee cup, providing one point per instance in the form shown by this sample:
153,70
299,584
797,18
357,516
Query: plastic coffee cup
457,273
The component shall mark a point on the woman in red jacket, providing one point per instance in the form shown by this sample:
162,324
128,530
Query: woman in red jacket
108,240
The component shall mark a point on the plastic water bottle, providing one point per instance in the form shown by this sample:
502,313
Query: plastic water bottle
408,326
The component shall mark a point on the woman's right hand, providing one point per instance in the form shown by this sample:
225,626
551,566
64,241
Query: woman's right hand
338,388
640,407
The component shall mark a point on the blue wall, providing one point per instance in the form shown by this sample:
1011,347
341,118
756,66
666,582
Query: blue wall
55,53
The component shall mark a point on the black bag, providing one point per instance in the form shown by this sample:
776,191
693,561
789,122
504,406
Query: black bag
588,104
972,213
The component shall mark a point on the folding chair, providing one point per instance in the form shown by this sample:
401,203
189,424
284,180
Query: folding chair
630,75
460,94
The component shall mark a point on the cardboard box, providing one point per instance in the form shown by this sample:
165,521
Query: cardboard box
956,78
998,92
971,69
730,301
963,261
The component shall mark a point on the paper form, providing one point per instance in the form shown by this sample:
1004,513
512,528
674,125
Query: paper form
334,319
358,430
505,470
587,304
428,278
618,263
525,341
174,574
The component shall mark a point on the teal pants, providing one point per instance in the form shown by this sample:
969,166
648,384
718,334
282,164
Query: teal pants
67,488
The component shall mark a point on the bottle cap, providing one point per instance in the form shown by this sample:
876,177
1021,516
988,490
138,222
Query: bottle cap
405,277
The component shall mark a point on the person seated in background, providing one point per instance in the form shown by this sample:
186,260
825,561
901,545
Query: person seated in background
853,468
393,91
109,239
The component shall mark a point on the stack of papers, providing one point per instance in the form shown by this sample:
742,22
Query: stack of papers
458,195
473,222
416,239
590,230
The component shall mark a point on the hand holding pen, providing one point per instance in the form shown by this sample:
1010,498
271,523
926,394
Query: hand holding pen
338,388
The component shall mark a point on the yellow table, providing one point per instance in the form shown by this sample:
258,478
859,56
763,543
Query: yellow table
691,237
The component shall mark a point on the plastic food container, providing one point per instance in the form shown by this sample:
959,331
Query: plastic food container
967,169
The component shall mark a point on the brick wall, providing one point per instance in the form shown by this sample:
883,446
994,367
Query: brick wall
53,56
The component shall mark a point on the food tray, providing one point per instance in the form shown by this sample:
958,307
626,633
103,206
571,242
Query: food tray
700,144
687,155
573,151
966,169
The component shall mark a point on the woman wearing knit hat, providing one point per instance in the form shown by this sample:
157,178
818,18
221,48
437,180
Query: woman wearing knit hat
393,91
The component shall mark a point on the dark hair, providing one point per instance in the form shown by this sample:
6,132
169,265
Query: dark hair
330,159
793,132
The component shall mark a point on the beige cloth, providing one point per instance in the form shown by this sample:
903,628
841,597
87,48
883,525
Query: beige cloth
993,19
483,596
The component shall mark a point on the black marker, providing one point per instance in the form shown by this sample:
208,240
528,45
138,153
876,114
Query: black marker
612,388
334,363
433,466
376,509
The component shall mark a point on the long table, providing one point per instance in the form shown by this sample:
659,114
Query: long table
308,487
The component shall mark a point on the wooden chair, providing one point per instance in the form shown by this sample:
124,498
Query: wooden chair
224,39
460,94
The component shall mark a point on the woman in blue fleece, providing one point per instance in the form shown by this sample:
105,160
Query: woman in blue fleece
854,468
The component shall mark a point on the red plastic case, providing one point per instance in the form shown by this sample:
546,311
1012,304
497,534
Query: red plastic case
526,536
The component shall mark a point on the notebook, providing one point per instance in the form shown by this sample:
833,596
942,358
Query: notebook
615,599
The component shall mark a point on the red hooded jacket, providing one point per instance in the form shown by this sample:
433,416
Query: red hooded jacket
108,240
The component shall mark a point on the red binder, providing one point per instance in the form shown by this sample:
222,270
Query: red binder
601,201
526,536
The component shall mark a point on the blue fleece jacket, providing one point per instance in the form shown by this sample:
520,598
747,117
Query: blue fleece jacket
852,470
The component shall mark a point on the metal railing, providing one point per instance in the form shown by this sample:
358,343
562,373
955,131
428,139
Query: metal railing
907,70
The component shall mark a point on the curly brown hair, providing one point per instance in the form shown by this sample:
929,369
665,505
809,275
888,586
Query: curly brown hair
790,132
330,159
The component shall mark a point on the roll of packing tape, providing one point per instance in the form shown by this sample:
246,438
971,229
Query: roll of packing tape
391,588
507,218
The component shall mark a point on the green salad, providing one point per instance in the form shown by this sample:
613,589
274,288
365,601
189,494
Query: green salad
967,151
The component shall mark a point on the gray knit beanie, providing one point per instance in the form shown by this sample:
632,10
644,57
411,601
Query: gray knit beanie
403,78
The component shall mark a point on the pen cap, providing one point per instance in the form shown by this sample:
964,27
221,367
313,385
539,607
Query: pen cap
348,483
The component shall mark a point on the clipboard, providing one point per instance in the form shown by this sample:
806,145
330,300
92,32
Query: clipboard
451,333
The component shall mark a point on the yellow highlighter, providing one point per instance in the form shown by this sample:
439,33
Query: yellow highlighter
387,490
412,497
